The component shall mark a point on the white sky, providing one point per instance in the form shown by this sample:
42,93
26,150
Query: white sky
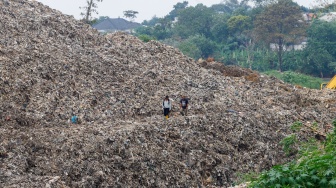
146,8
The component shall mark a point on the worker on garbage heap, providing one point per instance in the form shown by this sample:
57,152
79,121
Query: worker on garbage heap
74,119
166,105
184,105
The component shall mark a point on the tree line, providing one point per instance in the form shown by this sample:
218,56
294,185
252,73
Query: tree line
263,37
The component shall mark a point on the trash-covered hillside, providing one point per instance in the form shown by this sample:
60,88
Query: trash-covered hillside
53,67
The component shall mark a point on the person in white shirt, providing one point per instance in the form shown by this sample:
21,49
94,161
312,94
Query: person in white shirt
166,105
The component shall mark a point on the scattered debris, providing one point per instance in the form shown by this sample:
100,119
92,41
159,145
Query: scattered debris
52,66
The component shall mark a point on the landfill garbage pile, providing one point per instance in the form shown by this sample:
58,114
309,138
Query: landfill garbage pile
54,67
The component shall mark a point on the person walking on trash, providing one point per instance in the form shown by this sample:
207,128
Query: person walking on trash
166,105
184,105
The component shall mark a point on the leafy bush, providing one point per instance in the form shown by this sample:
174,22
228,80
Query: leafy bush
316,167
288,144
146,38
296,126
197,46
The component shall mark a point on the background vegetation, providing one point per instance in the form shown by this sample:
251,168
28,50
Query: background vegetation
297,78
235,33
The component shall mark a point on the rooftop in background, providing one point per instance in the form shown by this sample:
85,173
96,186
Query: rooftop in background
115,24
331,16
308,17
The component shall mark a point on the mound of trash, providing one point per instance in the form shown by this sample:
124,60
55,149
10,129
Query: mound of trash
54,67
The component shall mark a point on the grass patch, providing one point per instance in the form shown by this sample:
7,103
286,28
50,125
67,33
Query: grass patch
297,79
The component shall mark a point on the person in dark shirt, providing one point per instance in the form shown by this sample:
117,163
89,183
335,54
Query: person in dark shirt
184,105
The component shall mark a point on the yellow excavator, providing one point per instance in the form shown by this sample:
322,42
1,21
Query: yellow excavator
331,84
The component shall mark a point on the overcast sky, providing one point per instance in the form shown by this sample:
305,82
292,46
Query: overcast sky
146,8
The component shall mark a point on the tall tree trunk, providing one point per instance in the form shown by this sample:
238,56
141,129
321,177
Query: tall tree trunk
249,60
88,11
280,52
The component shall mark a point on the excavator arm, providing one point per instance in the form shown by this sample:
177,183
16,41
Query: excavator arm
331,84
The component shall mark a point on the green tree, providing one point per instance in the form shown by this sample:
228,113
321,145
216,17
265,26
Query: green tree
249,45
226,6
91,7
200,44
194,20
190,49
221,8
240,30
130,14
320,52
230,5
151,22
239,23
322,34
160,31
144,31
262,2
280,24
177,8
219,29
318,60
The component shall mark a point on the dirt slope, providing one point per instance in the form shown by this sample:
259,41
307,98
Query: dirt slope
53,66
